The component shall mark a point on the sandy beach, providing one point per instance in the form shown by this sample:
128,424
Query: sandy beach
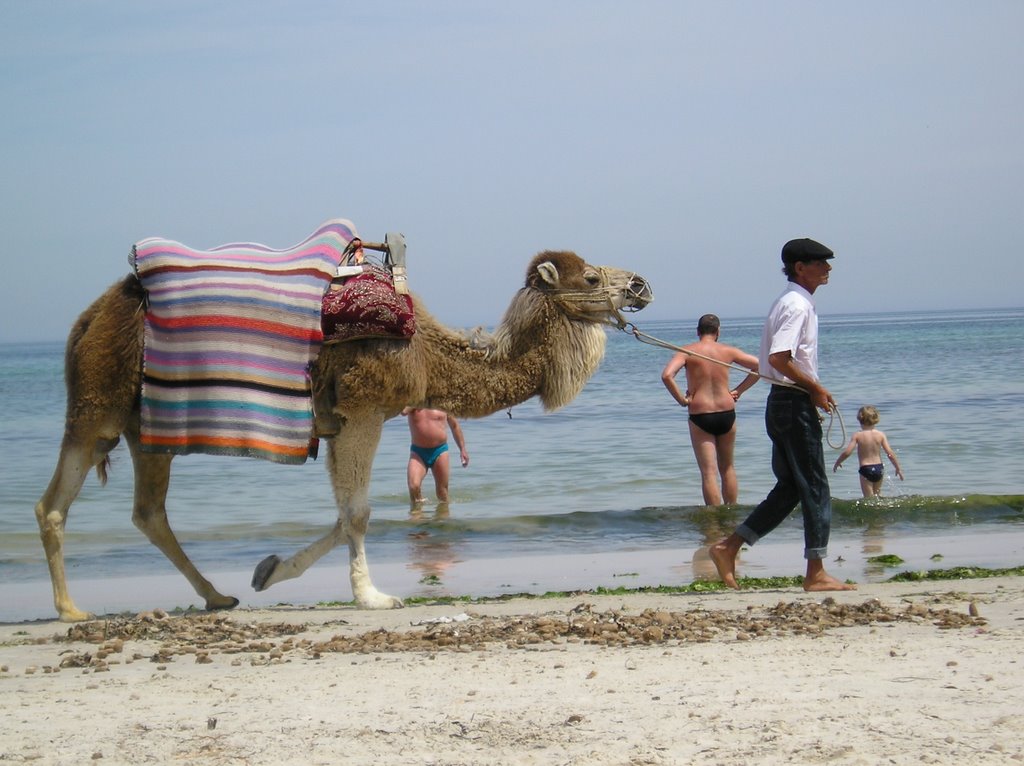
895,673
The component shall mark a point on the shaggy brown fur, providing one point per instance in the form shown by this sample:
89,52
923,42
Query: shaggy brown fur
548,345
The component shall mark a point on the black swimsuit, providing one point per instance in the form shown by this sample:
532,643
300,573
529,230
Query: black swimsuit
714,423
872,472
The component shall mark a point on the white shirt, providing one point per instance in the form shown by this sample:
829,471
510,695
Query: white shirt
792,325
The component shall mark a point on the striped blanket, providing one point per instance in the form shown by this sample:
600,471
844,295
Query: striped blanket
229,337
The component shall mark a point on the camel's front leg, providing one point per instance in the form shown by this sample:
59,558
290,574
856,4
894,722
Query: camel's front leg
365,594
351,526
152,477
273,569
349,461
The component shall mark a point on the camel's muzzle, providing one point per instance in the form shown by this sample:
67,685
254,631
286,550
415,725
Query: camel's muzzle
638,293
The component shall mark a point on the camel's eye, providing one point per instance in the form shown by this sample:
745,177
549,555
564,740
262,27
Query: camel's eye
592,278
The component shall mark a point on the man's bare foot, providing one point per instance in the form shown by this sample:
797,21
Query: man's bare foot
822,581
725,563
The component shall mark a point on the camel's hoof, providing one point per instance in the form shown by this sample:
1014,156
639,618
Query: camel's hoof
263,571
380,601
228,603
75,615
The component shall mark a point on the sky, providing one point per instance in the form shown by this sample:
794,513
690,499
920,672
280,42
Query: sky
686,141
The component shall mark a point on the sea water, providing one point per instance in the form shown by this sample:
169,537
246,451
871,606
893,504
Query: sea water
611,474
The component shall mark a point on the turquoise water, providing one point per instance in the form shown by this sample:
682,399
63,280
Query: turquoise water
612,472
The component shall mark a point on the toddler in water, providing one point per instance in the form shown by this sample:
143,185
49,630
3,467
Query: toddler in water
869,443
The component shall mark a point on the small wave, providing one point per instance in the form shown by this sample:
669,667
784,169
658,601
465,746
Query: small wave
401,539
931,511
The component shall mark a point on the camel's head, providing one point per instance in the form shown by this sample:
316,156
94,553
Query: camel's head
597,293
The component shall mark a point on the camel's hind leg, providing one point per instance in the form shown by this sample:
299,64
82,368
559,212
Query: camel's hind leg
102,370
349,461
76,460
149,514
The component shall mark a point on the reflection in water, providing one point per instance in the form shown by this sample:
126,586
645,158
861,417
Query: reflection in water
711,523
873,514
873,545
442,511
431,554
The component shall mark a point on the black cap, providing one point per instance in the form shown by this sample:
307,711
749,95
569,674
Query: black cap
805,250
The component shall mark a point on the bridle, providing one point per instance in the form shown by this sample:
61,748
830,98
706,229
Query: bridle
637,294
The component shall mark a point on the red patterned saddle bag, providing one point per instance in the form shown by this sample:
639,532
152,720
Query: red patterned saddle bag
366,305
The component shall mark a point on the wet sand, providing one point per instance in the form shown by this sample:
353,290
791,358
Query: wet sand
436,570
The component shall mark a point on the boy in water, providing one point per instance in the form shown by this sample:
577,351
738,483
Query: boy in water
869,443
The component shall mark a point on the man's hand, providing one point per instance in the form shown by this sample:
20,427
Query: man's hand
782,361
821,398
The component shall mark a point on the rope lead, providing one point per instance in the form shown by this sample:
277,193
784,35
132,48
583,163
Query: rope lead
650,340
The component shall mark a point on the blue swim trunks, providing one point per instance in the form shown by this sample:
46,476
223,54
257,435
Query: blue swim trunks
429,455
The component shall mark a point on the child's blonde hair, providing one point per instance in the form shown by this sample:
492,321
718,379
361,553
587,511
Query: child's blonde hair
867,416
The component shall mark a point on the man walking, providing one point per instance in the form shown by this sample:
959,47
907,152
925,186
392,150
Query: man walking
789,357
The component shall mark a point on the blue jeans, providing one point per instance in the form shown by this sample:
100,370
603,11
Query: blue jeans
798,462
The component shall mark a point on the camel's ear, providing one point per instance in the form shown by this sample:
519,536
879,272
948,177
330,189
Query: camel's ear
548,272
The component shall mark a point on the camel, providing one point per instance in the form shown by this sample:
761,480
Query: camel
550,342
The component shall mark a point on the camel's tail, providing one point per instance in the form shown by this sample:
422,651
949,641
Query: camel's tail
101,470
